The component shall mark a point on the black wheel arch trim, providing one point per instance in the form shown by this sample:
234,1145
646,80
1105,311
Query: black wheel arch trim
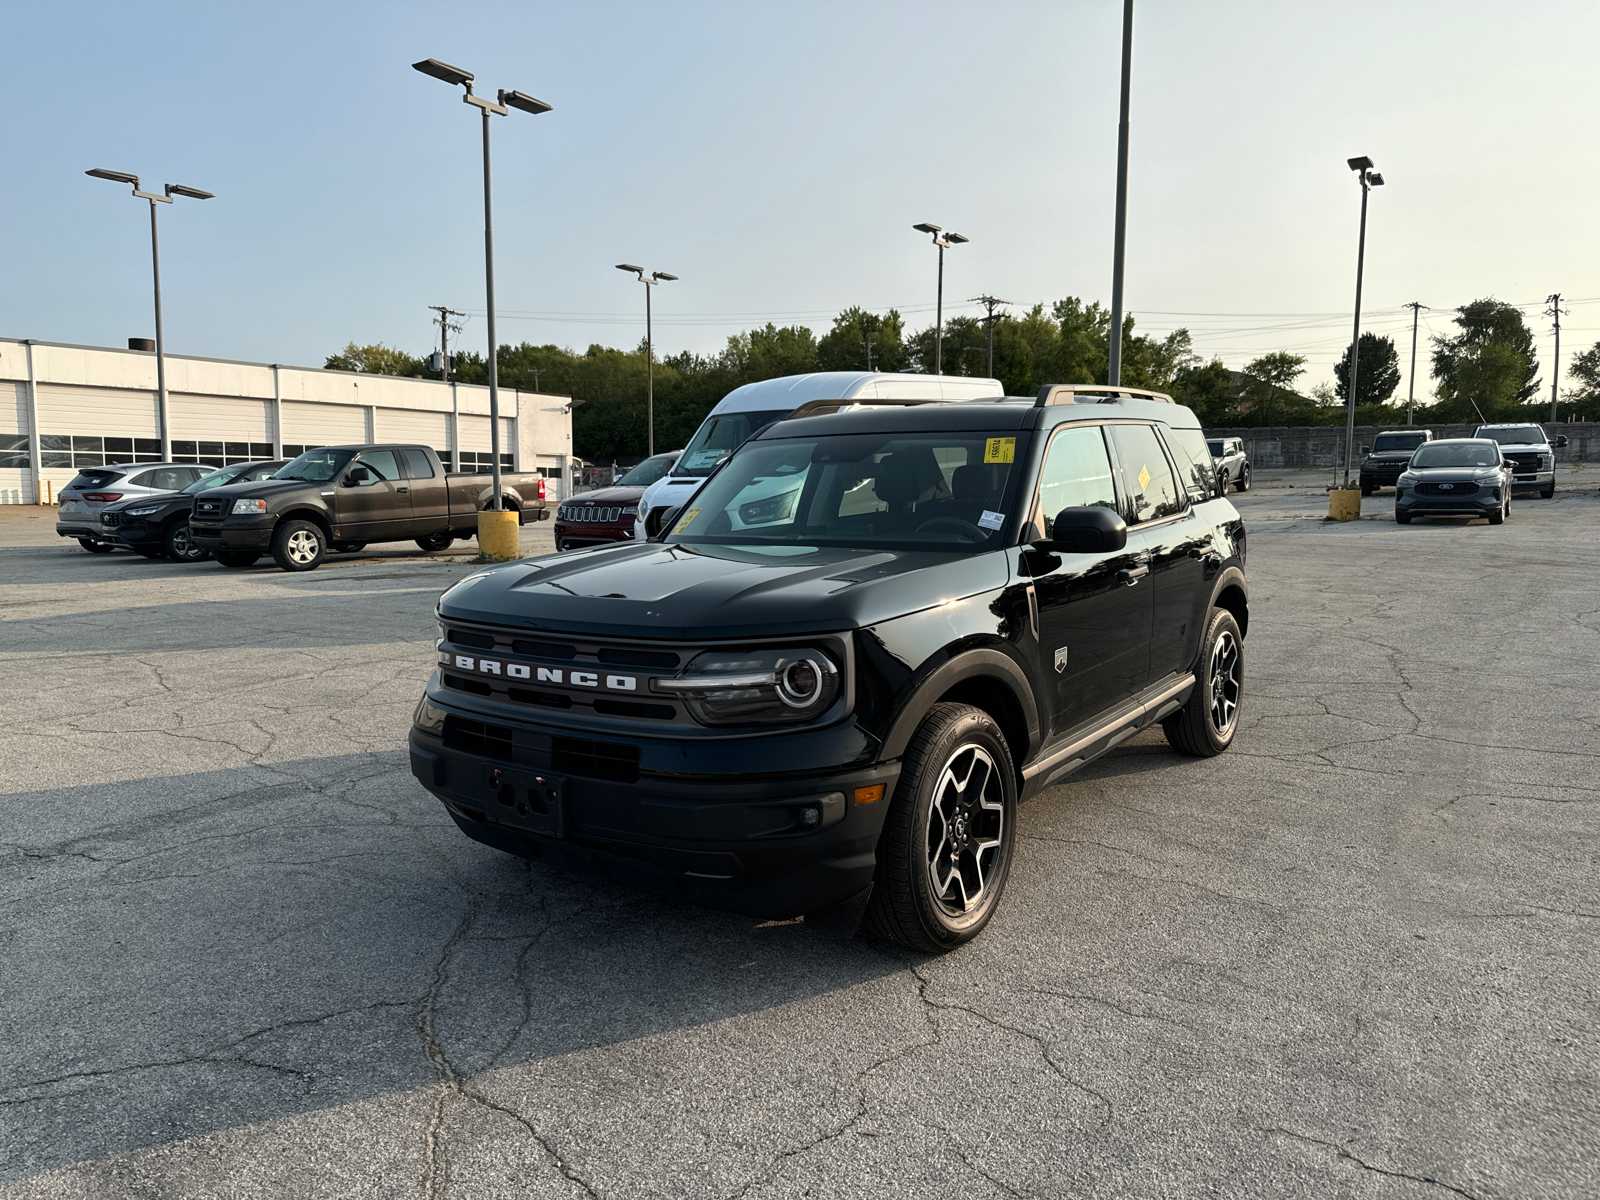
961,667
1231,579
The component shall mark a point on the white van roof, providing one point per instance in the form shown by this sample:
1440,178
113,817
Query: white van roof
789,392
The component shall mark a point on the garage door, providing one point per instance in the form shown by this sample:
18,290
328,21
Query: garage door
409,425
473,433
16,479
217,430
306,425
89,427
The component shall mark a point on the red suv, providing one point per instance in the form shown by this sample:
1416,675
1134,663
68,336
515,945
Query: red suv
606,515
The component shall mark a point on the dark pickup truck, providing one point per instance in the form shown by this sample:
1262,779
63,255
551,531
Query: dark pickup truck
342,497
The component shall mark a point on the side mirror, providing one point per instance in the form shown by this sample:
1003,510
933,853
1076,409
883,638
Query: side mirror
1365,450
356,475
1561,440
1086,530
669,518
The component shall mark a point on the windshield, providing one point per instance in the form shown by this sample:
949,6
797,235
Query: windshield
719,437
215,480
1459,454
316,466
892,491
1389,443
1515,435
647,472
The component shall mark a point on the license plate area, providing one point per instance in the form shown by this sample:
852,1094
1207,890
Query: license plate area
528,800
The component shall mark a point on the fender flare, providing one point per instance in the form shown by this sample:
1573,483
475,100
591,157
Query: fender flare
305,513
964,665
1233,577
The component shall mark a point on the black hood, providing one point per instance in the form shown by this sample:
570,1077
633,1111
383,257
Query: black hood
165,499
656,590
263,488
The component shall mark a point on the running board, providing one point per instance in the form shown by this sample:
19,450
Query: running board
1159,702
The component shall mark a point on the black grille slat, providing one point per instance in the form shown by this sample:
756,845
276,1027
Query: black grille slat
626,657
1447,489
477,737
544,649
632,708
547,699
461,637
589,514
612,761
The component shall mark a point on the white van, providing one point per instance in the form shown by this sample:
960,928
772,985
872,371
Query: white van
746,409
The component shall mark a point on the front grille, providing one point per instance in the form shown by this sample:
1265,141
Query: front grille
208,510
1447,489
1526,462
596,760
111,520
477,737
588,514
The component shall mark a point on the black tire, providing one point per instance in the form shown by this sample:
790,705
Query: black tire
150,552
1366,489
1244,478
437,541
1206,724
1548,493
94,547
958,764
349,547
1401,518
1498,516
299,546
179,547
236,558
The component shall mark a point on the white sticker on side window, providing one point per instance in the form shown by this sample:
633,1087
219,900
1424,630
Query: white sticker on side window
991,520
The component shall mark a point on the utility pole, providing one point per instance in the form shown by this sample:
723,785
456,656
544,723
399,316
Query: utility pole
1417,310
1555,310
868,342
446,328
1114,365
990,304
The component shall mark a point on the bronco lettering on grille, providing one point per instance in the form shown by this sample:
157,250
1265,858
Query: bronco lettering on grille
512,670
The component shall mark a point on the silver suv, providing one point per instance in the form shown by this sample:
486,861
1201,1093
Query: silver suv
1531,453
95,487
1231,463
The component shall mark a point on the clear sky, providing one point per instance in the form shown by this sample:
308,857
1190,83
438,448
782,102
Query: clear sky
774,155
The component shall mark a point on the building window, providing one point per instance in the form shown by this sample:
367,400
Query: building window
14,448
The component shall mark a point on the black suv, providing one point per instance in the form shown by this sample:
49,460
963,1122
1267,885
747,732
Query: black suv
1390,453
866,638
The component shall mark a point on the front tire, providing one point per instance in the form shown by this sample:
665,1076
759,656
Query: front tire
298,546
180,547
1366,489
94,547
1548,493
1498,516
1401,518
436,541
1205,725
1244,478
946,847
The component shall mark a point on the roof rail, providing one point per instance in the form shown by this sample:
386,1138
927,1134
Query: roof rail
1068,393
818,408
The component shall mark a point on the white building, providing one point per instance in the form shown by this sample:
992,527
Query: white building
65,407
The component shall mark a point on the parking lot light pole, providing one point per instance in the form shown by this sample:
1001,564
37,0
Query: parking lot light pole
649,282
172,189
507,100
1369,179
944,243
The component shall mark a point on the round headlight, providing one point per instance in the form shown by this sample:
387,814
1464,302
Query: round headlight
800,683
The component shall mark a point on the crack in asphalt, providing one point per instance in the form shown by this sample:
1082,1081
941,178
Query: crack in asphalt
1345,1155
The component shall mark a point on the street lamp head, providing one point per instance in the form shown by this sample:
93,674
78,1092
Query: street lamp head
443,70
178,189
1360,164
523,101
630,267
114,176
661,275
1375,180
956,237
925,227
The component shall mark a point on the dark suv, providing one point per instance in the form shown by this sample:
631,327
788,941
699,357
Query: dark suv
1391,451
832,706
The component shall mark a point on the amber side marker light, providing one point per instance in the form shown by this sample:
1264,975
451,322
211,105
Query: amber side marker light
869,795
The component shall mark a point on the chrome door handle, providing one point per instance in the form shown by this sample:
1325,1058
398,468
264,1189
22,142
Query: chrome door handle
1131,575
401,489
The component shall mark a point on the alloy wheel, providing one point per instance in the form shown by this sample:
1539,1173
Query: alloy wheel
302,547
1224,683
966,828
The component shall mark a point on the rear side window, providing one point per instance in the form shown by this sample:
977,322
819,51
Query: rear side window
94,479
168,479
417,464
1146,475
1195,468
1076,473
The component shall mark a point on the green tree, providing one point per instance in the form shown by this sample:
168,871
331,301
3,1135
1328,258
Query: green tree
1267,389
1488,366
844,347
1581,400
1208,389
1378,374
376,359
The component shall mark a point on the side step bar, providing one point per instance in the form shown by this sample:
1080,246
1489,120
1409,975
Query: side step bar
1158,702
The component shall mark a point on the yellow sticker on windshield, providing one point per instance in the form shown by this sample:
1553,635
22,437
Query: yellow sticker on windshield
686,520
1144,479
1000,450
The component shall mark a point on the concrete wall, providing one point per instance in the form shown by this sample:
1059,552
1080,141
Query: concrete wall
1320,446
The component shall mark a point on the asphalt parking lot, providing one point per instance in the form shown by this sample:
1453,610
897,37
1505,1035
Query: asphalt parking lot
1356,956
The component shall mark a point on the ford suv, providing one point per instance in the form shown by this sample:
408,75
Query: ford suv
834,706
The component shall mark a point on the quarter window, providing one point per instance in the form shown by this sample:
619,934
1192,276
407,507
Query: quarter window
1146,475
417,464
1195,467
1077,473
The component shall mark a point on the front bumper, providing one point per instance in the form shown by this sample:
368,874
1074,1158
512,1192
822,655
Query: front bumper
570,536
247,535
732,842
1479,505
1533,479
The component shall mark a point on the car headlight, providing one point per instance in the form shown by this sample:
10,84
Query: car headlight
630,511
429,717
644,510
737,687
141,512
249,506
1406,478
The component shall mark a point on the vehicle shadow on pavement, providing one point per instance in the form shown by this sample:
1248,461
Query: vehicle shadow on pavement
198,952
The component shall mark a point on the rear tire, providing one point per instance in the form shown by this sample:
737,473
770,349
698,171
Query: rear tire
1401,518
94,547
298,546
437,541
1244,478
1366,489
1206,724
349,547
180,547
947,843
236,558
